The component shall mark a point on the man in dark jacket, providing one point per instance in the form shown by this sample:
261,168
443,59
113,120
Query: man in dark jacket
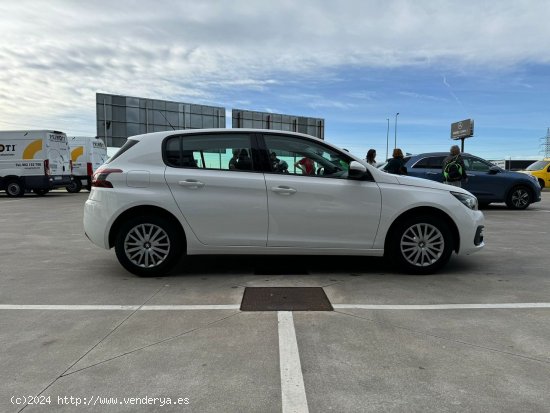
454,170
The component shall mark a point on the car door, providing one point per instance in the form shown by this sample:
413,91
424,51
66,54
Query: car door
323,209
484,184
428,167
223,206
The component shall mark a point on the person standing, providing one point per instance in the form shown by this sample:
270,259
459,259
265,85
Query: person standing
454,170
371,155
396,165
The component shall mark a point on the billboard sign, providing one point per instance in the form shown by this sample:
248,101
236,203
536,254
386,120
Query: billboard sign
267,120
462,129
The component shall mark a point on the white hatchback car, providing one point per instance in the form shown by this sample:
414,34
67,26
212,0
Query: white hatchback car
169,194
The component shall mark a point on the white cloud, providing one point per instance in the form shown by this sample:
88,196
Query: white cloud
190,49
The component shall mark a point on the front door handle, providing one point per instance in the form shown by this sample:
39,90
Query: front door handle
191,183
283,190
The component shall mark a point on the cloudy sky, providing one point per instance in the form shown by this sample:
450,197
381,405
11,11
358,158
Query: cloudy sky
354,63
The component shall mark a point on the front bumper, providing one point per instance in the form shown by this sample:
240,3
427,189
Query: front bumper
472,235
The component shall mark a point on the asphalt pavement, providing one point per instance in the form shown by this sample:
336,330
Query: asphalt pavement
79,333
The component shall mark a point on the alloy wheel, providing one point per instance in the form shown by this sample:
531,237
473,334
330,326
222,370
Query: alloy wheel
422,244
520,198
147,245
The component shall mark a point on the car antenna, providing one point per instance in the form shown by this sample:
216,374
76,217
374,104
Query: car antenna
167,120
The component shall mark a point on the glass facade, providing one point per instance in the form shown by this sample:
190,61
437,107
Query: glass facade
119,117
265,120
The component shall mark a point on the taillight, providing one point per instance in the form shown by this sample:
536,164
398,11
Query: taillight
99,180
47,166
89,169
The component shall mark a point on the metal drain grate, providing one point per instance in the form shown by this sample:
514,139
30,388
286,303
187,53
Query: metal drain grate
285,299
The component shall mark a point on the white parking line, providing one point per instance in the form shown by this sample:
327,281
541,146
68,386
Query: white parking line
120,307
292,382
439,306
237,306
68,307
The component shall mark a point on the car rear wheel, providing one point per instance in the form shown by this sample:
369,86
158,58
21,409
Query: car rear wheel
519,197
421,245
15,188
148,245
74,187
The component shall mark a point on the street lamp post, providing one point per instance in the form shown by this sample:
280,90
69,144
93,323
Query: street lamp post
387,138
395,141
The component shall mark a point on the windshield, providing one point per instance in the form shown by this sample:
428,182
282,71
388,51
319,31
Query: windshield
537,166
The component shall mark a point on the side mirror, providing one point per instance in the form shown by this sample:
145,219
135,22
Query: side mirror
356,170
494,170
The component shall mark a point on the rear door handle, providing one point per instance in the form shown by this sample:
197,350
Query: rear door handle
191,183
283,190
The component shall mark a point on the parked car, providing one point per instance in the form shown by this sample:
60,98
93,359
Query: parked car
219,191
541,171
486,181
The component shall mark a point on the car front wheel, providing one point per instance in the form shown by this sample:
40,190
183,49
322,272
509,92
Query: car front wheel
421,245
518,198
148,245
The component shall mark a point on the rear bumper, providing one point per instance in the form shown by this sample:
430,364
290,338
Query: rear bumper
98,215
58,181
46,181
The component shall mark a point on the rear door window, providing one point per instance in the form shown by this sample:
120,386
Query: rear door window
232,151
430,162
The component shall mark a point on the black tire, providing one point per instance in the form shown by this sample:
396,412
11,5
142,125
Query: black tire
410,250
519,197
40,192
541,183
74,187
134,235
15,188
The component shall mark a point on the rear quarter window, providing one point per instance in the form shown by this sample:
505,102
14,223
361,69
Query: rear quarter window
129,143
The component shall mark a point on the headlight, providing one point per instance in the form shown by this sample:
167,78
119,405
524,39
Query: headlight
469,200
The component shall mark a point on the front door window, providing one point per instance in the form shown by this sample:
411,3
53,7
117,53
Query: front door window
294,156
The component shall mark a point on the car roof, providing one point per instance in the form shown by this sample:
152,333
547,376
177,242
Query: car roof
437,154
163,134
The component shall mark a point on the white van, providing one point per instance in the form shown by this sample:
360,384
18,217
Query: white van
87,154
37,160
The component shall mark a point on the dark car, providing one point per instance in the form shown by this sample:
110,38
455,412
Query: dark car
487,182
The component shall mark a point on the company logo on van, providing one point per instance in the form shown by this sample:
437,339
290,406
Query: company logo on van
7,148
98,144
58,138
